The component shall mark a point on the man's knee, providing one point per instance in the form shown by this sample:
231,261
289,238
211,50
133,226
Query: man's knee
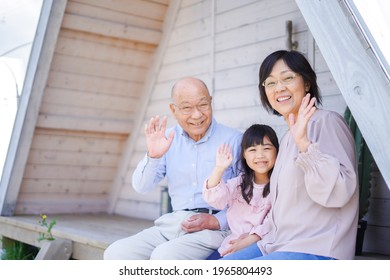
112,252
126,249
165,252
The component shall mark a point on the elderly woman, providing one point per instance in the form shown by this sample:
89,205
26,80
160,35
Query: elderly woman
314,191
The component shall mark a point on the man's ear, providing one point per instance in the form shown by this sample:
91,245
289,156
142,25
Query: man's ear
173,108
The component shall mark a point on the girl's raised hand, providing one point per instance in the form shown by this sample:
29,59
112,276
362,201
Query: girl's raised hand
222,161
224,156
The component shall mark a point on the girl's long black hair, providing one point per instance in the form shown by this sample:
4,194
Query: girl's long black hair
253,136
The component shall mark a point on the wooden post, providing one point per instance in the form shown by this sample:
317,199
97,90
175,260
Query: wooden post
58,249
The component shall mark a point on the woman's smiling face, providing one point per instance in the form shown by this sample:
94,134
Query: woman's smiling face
285,98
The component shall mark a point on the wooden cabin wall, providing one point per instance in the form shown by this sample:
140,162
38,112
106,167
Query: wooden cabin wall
101,56
223,42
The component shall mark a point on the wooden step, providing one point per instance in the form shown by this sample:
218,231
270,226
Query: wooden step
90,234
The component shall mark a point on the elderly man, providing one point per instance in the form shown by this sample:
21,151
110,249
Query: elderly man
185,154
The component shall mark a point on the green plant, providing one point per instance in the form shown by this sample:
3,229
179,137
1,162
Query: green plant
366,165
49,226
16,250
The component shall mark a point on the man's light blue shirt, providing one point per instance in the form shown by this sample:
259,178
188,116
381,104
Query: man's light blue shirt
187,165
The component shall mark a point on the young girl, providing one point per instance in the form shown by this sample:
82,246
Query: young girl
245,196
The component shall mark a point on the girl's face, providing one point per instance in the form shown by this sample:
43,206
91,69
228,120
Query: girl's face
261,159
287,93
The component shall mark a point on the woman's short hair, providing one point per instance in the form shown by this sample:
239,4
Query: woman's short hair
297,62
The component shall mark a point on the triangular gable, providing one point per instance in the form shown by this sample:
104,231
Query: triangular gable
358,74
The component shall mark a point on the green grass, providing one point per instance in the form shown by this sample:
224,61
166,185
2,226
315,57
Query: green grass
16,250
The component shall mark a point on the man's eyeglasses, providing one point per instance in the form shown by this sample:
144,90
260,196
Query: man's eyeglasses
285,79
187,110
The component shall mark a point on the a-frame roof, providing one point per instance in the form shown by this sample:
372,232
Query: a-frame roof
358,74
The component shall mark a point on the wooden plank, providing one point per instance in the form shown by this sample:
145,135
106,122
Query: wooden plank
254,13
55,97
327,84
60,203
162,90
186,3
80,111
78,143
58,249
151,211
84,124
376,240
319,63
228,79
243,55
163,2
150,81
191,67
35,82
223,6
84,251
77,200
67,186
128,193
72,158
379,212
92,135
88,10
194,13
147,9
190,32
101,69
334,103
380,189
38,171
81,47
76,82
248,116
238,36
158,107
11,230
187,50
66,208
232,98
90,234
138,155
361,80
109,42
111,29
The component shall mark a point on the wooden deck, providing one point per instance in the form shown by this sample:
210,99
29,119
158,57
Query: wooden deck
89,234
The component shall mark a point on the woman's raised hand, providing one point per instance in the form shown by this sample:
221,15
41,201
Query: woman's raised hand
298,127
156,141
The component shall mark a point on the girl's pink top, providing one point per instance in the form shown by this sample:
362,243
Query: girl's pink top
241,216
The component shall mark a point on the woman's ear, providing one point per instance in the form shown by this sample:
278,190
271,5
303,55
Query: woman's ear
307,87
